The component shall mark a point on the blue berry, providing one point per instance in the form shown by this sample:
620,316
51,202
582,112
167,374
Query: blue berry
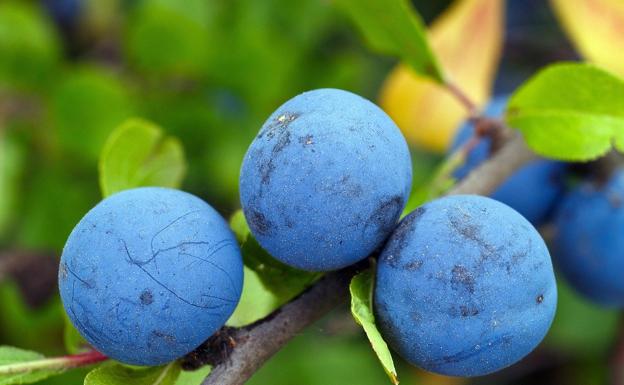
465,287
149,274
325,181
588,243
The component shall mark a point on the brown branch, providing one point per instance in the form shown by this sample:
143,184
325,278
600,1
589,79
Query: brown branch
484,179
255,344
258,342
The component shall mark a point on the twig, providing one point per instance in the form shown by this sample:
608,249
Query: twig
258,342
491,173
255,344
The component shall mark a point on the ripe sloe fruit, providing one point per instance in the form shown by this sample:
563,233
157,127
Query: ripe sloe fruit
465,287
150,273
589,240
325,181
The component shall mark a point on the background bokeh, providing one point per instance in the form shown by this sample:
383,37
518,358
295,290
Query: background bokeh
210,72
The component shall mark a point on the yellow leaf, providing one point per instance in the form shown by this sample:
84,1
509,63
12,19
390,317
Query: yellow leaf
596,28
467,38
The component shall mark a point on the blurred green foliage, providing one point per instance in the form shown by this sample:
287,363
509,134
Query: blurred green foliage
36,329
29,46
85,104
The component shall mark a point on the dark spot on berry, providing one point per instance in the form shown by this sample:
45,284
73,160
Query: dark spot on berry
146,297
468,311
347,187
414,265
282,141
464,227
266,169
461,277
258,222
386,214
160,335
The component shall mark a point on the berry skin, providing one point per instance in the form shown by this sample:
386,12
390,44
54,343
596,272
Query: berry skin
325,181
465,287
588,243
148,274
532,190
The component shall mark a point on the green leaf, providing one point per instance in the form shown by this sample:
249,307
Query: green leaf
169,38
283,281
19,366
256,301
393,27
117,374
138,154
570,111
239,226
361,289
195,377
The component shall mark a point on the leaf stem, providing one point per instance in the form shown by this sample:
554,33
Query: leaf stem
463,98
54,363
